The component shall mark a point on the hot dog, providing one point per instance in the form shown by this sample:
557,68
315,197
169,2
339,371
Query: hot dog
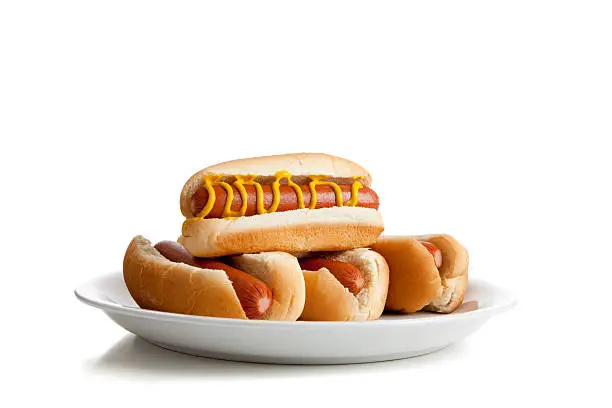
293,203
426,272
167,278
254,295
347,285
326,197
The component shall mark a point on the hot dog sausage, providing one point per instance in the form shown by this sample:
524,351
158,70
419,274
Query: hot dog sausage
288,200
347,274
434,251
255,296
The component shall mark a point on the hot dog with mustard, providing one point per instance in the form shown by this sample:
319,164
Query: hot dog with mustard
293,202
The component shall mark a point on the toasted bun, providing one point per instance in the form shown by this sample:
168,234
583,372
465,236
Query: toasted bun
327,299
299,165
303,230
159,284
415,282
281,272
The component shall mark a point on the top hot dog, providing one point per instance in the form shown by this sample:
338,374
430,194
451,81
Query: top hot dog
292,203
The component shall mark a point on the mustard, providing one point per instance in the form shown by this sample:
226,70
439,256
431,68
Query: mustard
316,181
208,185
355,192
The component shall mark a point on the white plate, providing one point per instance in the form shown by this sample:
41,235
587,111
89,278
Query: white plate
392,337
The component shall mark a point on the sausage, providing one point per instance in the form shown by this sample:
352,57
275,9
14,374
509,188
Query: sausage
254,295
347,274
326,197
434,251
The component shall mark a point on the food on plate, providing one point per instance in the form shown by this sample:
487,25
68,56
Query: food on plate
165,277
347,285
288,237
427,272
292,202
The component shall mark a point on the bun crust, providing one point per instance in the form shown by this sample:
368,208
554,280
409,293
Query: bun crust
303,230
415,282
328,300
159,284
413,279
298,164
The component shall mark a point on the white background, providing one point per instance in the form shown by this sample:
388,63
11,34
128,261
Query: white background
488,120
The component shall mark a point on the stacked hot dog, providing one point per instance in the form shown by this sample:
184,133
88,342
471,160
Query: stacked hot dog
290,237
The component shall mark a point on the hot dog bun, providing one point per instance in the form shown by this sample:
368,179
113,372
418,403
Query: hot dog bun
159,284
415,282
328,300
303,230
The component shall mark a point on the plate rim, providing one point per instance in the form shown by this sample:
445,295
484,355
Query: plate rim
509,301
